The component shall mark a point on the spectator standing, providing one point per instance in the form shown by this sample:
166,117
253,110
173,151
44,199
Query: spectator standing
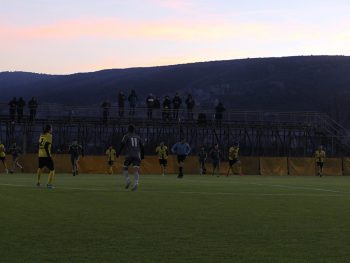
20,106
132,102
157,103
121,104
219,111
190,105
150,104
12,108
177,104
106,106
166,108
33,105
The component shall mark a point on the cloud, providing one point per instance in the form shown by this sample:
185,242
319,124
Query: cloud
176,5
122,29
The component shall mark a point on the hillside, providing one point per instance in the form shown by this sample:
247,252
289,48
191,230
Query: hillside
287,84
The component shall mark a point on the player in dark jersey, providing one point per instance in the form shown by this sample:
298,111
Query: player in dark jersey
15,151
202,157
134,153
75,150
215,155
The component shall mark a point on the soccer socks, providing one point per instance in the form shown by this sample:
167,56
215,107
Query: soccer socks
39,175
137,176
126,175
51,176
180,173
111,170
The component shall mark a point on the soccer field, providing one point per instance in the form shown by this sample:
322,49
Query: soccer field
92,218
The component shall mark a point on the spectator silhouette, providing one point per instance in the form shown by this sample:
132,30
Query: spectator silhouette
157,103
166,108
20,106
106,106
12,109
33,105
121,104
150,105
190,105
219,111
132,102
177,104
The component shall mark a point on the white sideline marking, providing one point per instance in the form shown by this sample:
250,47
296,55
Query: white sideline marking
302,188
339,193
279,186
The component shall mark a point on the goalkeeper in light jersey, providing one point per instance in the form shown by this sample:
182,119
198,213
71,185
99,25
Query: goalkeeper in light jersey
182,149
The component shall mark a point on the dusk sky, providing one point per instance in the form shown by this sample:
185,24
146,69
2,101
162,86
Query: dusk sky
67,36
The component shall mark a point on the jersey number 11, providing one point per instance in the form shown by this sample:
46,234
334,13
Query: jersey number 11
134,142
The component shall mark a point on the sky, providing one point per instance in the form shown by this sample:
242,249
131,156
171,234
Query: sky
68,36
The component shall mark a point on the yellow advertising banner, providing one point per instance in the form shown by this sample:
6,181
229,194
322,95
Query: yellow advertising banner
273,166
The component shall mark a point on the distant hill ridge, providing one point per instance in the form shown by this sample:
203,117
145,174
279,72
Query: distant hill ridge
320,83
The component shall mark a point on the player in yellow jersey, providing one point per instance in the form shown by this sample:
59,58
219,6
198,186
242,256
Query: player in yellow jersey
111,155
320,155
45,158
163,153
234,159
3,156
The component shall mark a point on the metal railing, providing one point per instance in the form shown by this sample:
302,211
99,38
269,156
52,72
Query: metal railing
55,111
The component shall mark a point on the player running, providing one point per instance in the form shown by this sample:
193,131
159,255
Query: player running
320,155
75,151
202,158
45,158
134,153
3,156
163,153
182,150
15,151
111,155
215,155
234,159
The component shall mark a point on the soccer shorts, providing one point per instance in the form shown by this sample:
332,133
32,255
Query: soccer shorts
46,162
74,159
216,163
134,161
181,158
2,159
110,163
233,161
163,162
319,164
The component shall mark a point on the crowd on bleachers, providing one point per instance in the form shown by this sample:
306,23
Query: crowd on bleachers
17,107
169,107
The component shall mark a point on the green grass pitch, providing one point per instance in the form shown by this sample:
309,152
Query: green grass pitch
92,218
